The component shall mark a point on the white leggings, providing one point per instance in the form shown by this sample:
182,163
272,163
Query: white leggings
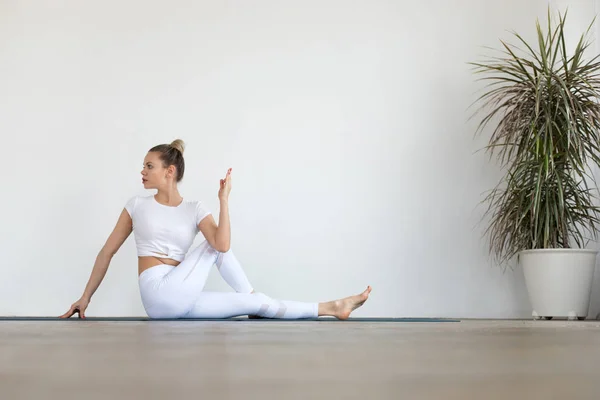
176,292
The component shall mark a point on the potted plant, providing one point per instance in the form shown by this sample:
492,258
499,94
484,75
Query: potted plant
544,105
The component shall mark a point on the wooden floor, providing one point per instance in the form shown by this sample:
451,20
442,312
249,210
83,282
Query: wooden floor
299,360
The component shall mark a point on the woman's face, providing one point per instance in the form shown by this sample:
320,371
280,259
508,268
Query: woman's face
154,174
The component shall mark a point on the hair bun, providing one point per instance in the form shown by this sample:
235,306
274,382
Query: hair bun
178,144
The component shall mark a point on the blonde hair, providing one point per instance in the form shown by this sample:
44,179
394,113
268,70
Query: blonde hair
178,144
172,154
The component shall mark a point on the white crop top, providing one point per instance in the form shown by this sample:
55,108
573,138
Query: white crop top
164,231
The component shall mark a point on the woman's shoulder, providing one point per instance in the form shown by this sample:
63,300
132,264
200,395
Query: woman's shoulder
197,205
192,203
133,203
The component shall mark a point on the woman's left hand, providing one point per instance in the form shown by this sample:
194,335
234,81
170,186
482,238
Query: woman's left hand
225,186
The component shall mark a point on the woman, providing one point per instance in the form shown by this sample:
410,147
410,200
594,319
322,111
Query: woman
170,282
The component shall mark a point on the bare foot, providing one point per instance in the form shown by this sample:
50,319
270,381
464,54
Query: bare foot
343,307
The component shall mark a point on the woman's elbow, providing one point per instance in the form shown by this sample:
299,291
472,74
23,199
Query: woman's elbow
224,249
219,244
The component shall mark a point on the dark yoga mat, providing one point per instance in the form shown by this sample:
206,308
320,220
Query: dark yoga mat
117,319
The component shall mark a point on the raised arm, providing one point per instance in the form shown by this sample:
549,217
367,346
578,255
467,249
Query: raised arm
119,234
219,236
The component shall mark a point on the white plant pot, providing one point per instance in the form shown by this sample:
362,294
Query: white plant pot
559,281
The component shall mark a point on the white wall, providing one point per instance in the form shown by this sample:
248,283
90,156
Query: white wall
345,124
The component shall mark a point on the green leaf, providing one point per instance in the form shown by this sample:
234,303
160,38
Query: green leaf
546,135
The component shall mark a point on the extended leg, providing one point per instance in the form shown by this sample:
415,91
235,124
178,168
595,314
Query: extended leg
226,305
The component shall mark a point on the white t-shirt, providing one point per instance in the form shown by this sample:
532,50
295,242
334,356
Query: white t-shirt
164,231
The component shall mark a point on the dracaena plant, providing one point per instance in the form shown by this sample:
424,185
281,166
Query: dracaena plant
543,102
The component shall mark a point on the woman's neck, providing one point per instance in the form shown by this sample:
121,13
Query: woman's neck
169,197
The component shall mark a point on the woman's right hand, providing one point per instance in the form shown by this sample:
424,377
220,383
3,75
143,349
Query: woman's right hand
225,186
78,307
